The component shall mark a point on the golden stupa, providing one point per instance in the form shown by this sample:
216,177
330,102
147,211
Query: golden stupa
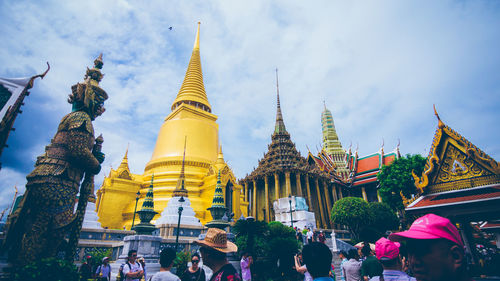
191,120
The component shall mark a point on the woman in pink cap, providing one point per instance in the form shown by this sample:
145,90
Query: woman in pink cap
435,249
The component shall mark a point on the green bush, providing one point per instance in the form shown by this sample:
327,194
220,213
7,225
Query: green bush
352,212
50,269
180,263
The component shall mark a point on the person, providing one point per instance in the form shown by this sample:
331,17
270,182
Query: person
299,235
318,257
321,237
143,264
245,263
103,272
343,260
167,257
213,252
309,235
388,254
370,267
85,269
132,270
194,272
302,269
435,249
352,267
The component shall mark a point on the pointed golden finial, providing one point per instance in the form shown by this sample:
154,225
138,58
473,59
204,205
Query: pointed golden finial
440,123
324,104
197,40
192,91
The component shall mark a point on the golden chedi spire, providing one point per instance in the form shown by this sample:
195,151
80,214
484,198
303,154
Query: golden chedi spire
124,163
193,90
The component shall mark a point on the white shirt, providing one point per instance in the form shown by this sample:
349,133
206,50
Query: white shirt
309,235
134,267
165,276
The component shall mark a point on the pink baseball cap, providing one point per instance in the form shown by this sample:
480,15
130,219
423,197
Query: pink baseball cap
430,226
386,249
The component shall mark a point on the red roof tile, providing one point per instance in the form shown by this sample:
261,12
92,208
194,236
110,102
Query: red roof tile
457,197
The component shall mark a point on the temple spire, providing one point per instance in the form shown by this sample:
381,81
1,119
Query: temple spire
180,189
124,163
280,125
148,203
192,91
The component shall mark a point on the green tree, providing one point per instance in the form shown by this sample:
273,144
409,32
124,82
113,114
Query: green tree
282,245
352,212
383,217
397,178
97,254
180,263
48,269
251,237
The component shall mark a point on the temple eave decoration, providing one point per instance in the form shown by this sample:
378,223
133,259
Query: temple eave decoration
454,164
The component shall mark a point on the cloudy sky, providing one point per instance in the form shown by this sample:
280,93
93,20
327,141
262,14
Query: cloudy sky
378,65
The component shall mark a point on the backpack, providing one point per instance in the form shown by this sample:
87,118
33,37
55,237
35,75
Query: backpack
120,271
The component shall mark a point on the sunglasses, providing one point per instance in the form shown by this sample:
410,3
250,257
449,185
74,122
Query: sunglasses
195,261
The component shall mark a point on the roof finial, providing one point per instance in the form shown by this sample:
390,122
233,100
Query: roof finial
324,104
280,125
197,40
440,123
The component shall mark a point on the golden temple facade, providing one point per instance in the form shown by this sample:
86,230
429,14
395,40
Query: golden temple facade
191,123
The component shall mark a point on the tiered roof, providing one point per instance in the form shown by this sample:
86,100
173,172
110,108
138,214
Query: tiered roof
282,155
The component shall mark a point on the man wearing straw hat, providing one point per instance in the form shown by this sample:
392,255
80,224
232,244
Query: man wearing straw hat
213,252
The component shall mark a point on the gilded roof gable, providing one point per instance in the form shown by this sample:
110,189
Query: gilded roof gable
455,163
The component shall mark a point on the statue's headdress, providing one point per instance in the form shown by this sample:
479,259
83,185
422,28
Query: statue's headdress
88,93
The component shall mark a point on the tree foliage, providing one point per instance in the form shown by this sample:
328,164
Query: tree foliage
48,269
97,254
257,231
397,178
352,212
383,217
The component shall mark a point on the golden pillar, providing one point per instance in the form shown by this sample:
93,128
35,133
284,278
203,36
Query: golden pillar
363,190
308,190
335,198
276,186
246,191
341,195
320,202
328,205
299,187
266,190
287,184
378,197
254,200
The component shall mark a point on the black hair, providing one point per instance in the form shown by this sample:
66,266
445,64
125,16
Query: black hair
343,253
167,256
195,255
352,254
131,252
389,263
366,251
318,258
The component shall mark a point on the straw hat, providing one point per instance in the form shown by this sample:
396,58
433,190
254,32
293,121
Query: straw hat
217,239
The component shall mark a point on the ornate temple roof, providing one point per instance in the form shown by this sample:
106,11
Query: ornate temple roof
282,155
193,90
454,163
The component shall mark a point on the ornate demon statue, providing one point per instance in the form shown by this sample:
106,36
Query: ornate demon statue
46,216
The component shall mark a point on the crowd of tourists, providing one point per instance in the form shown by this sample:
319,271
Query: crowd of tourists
431,250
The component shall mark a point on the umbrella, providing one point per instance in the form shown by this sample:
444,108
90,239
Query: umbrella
361,244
